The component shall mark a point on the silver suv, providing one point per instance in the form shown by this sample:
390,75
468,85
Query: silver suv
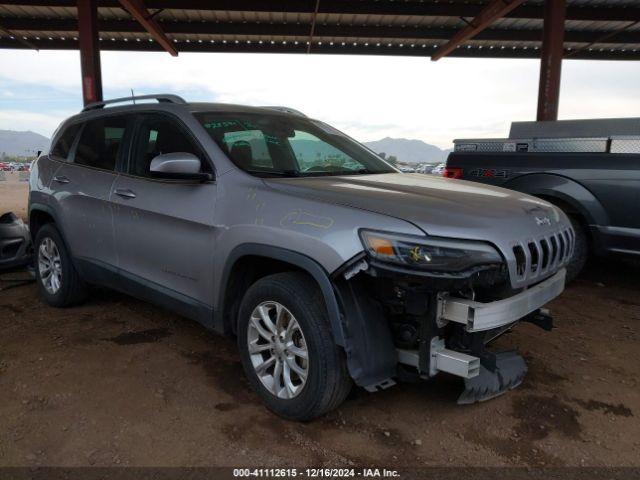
328,265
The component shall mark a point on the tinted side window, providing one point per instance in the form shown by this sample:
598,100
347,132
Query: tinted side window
158,134
63,146
100,142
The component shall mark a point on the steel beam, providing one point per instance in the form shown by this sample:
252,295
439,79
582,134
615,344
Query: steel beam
359,32
89,51
325,48
313,26
489,14
598,13
551,60
138,11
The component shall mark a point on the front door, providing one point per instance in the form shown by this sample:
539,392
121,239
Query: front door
164,228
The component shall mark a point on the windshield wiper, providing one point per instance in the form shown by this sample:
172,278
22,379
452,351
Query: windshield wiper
298,173
360,171
277,173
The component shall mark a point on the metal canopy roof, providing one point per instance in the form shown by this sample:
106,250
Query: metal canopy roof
595,29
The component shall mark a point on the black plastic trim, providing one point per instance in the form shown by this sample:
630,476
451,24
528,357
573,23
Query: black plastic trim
299,260
371,354
99,273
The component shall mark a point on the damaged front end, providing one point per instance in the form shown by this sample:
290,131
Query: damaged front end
415,307
15,243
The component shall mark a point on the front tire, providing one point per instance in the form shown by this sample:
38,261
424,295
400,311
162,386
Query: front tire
57,278
287,350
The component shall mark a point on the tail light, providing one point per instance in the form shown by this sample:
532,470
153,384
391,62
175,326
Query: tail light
452,172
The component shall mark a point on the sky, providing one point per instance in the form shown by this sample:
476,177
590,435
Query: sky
368,97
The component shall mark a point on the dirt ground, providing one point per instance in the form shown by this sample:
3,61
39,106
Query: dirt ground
13,194
120,382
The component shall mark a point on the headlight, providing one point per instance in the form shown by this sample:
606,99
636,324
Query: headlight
435,254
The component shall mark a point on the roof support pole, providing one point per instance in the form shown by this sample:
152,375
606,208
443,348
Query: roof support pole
89,51
551,61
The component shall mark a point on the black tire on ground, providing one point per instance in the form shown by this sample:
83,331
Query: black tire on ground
580,251
328,382
72,289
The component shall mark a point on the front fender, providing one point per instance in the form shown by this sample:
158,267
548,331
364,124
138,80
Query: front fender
358,326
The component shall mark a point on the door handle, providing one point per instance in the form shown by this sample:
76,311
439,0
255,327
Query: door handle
61,179
125,192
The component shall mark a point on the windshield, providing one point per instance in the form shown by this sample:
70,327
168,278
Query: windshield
277,145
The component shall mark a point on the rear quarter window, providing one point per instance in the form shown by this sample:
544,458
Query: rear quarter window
100,142
64,143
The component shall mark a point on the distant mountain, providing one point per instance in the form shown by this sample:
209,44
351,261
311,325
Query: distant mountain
28,143
409,151
24,144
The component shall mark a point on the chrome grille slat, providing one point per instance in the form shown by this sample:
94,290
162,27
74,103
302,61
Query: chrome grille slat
554,250
545,260
539,256
534,253
562,249
571,238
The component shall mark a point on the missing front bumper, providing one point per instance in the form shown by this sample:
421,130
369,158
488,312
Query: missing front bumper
478,316
505,371
486,374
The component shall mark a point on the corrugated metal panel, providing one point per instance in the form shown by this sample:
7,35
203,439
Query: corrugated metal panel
518,23
584,25
37,12
113,14
399,31
604,3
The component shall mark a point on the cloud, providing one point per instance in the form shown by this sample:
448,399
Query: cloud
368,97
42,123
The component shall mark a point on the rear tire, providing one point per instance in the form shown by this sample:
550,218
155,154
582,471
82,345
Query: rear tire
580,250
57,279
293,302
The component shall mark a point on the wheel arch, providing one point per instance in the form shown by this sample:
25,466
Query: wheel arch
562,192
249,262
39,215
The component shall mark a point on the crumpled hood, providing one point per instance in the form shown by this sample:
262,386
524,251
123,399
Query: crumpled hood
439,206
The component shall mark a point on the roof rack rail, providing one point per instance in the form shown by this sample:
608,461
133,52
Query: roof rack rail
287,110
161,98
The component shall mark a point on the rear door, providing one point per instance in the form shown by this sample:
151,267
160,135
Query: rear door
164,227
81,190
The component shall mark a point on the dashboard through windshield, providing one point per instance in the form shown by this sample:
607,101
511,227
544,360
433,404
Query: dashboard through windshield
279,145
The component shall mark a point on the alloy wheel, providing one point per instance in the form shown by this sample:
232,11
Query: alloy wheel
278,350
50,265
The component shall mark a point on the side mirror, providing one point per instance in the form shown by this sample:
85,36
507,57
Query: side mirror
179,166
